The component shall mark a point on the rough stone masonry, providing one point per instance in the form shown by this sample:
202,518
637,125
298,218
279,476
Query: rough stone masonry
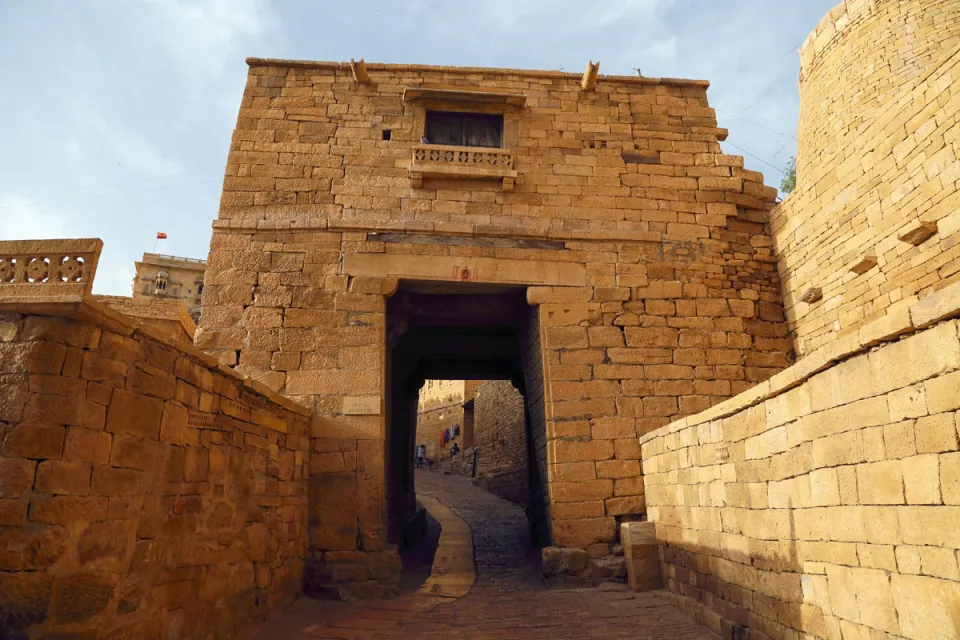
650,286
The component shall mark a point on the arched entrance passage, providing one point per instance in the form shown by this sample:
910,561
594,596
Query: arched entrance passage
460,331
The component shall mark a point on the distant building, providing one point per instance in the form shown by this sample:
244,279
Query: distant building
171,277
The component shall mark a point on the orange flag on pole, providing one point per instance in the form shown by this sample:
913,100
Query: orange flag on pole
161,235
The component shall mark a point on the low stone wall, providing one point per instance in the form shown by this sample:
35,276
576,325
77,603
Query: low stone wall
170,316
826,501
144,491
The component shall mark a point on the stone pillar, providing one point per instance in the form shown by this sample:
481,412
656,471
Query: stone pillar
643,555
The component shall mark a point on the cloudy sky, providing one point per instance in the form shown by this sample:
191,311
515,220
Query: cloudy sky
117,114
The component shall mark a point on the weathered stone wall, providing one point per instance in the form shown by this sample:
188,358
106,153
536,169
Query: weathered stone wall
144,491
641,243
498,425
432,423
502,441
169,316
878,156
824,502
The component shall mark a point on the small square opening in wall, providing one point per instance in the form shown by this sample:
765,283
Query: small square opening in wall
385,134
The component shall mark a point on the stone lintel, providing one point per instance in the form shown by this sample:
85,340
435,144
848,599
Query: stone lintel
464,269
415,94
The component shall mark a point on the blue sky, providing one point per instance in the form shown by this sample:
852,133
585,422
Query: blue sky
117,114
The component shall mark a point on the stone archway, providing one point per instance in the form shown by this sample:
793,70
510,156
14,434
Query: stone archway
459,331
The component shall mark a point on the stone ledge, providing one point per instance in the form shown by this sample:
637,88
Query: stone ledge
438,228
937,307
89,310
379,66
153,308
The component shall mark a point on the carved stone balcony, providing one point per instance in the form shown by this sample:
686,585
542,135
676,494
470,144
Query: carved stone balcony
48,270
444,161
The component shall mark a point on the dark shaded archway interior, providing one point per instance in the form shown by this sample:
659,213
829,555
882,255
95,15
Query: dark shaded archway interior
460,331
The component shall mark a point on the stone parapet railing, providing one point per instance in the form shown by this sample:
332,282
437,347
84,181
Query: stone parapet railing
446,161
48,270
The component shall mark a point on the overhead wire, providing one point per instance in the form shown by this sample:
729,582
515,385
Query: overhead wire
757,124
773,82
113,195
756,157
92,187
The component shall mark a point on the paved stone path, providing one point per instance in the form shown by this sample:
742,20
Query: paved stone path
503,597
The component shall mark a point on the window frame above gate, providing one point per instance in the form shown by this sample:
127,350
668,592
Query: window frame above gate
464,161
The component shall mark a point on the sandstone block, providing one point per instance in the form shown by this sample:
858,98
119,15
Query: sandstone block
618,468
68,510
936,434
80,596
134,414
16,476
939,563
573,471
908,559
625,505
24,599
921,479
925,606
108,481
898,440
880,483
921,356
34,441
64,478
950,478
910,402
135,453
943,393
581,491
575,451
103,541
583,532
652,337
569,510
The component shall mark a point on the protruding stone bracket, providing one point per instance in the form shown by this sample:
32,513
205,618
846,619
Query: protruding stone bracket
811,295
389,286
590,76
359,70
868,262
48,270
919,233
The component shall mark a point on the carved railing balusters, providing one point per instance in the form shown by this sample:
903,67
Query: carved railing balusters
48,269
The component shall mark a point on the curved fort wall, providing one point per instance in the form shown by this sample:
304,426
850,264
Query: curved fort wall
877,159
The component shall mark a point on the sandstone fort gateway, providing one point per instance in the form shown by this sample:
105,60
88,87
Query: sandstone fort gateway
752,404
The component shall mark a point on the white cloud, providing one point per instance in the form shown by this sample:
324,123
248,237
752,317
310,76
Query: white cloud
114,142
20,220
206,34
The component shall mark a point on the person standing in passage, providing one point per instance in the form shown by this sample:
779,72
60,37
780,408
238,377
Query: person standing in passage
421,452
